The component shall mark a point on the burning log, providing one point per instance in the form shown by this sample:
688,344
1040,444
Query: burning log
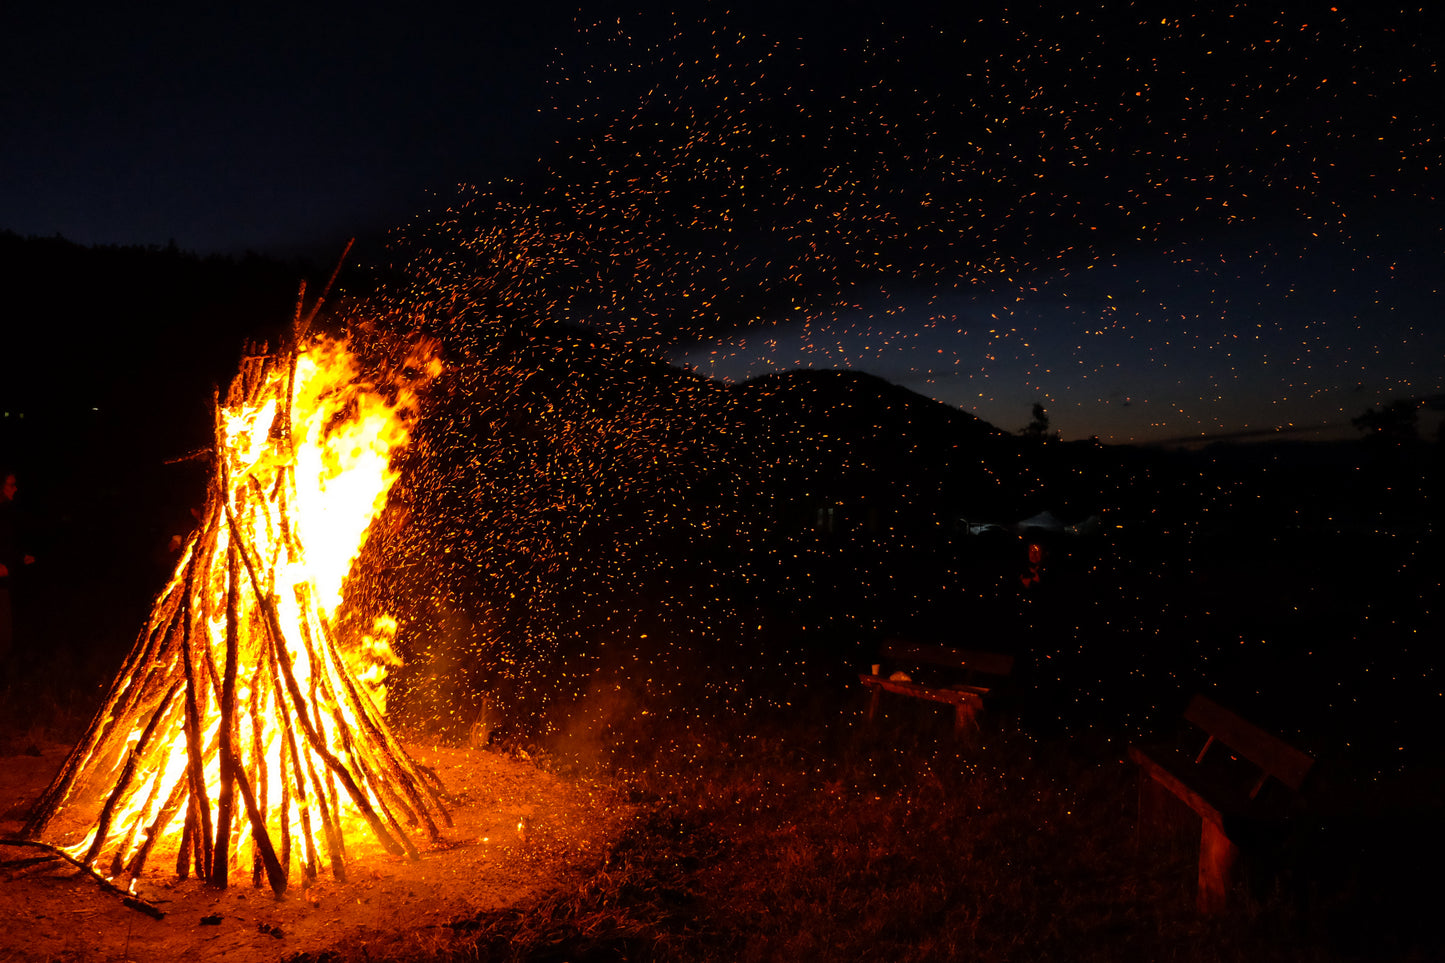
245,721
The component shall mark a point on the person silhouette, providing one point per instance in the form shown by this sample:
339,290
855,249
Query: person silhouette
12,559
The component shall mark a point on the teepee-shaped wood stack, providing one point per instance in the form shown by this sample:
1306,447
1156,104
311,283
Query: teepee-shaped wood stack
245,733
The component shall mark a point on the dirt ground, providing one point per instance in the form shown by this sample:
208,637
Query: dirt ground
51,912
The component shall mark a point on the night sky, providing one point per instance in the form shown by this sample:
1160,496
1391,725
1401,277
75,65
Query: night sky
1160,228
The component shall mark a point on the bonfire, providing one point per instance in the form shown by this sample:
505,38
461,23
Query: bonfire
245,735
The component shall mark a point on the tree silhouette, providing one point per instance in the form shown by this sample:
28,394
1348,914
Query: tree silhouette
1394,425
1038,428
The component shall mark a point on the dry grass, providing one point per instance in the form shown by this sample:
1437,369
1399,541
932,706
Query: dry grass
831,842
35,713
49,692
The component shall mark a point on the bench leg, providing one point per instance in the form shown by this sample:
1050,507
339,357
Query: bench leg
873,695
1216,862
965,719
1149,806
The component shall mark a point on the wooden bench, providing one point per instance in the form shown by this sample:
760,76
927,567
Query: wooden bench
951,676
1251,786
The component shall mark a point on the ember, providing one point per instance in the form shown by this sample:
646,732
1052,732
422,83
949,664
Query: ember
246,731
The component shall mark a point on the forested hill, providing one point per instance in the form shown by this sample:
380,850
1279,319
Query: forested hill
109,356
144,328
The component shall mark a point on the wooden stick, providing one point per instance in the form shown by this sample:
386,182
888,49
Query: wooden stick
359,760
118,861
333,800
317,745
201,614
196,763
328,824
134,902
179,793
257,743
289,402
296,332
392,751
389,799
313,736
258,758
303,806
259,833
369,781
327,290
188,833
285,817
123,783
115,712
220,866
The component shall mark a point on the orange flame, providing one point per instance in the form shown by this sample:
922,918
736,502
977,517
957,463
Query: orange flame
242,680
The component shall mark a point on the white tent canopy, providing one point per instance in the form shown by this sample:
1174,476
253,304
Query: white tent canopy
1044,521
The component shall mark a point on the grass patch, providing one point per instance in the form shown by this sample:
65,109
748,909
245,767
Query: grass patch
829,841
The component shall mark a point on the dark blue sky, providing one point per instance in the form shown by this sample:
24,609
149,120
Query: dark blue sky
1280,335
270,127
1157,226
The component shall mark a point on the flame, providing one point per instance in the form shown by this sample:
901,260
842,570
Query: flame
242,683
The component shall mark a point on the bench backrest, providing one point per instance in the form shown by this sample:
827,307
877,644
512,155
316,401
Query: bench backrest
1276,757
986,663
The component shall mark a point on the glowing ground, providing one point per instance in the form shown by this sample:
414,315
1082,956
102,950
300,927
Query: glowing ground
387,904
